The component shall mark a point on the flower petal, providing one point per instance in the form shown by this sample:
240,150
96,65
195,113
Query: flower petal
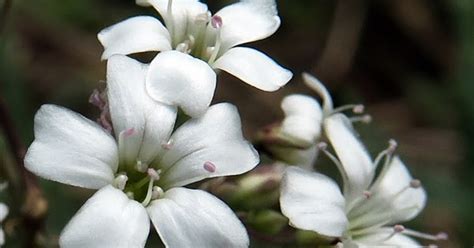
134,35
132,108
254,68
247,21
3,211
71,149
312,202
405,202
358,168
303,119
195,218
379,237
107,219
176,78
209,146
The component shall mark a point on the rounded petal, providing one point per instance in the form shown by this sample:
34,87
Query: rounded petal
358,168
379,237
247,21
108,219
195,218
71,149
209,146
134,35
254,68
405,202
132,108
312,202
303,120
175,78
2,237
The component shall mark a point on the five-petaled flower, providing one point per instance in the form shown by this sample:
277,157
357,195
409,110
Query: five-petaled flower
140,174
194,45
369,210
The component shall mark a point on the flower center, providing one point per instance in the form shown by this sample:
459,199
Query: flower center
200,37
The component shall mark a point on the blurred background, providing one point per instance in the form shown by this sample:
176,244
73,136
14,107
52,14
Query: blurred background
411,62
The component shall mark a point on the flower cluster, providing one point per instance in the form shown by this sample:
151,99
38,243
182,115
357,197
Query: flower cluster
144,161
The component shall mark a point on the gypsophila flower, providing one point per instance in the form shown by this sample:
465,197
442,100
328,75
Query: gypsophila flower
141,173
369,211
294,140
194,44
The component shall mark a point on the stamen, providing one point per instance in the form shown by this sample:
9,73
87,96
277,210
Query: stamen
183,47
436,237
167,145
141,167
120,181
356,108
154,176
398,228
364,119
157,192
96,100
415,183
387,153
365,196
210,167
216,22
130,195
345,178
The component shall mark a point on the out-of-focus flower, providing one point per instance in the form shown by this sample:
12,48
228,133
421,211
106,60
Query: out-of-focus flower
140,174
294,140
194,44
368,211
3,215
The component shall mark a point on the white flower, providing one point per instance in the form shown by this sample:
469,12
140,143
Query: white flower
369,210
140,174
294,141
193,44
3,214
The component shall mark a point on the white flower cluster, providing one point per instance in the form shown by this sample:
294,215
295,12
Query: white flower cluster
140,158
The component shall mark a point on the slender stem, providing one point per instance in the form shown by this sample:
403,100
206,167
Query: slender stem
34,205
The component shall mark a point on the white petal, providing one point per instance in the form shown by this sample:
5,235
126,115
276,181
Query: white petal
71,149
312,202
248,21
183,15
254,68
214,138
2,237
379,237
357,164
3,211
134,35
195,218
405,203
107,219
176,78
131,107
303,119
